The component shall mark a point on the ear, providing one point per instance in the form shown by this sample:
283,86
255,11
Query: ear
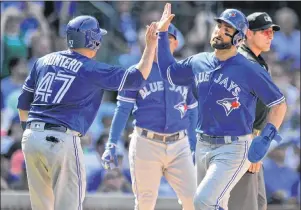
176,43
249,33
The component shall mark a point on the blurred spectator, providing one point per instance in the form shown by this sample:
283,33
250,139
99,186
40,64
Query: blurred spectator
115,182
12,39
103,120
198,37
18,71
286,42
40,46
279,178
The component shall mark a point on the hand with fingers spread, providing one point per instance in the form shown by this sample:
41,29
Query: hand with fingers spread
151,37
255,167
166,18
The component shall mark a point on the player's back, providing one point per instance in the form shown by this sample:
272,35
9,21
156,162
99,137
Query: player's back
63,91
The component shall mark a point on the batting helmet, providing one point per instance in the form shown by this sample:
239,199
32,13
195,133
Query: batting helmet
237,20
84,32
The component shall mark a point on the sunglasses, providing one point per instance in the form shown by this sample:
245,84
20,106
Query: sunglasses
268,32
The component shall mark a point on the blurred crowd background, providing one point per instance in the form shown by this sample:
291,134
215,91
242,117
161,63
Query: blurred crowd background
30,30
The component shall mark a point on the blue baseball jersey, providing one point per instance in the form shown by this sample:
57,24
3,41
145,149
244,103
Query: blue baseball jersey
66,88
227,90
160,106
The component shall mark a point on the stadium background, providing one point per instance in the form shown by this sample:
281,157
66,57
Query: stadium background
30,30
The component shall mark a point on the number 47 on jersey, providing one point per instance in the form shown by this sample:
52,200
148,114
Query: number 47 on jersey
45,87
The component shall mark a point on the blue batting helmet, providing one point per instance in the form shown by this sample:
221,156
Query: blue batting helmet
84,32
237,20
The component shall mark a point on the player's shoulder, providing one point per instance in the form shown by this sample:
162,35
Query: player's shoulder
249,65
203,56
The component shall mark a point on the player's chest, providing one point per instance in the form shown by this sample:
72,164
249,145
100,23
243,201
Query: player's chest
162,89
224,82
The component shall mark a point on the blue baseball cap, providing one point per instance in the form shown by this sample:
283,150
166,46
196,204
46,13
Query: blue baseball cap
172,30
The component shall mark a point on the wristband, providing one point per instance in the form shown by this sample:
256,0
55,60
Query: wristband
23,125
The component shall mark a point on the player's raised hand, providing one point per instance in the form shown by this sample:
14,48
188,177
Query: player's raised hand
151,36
109,157
166,18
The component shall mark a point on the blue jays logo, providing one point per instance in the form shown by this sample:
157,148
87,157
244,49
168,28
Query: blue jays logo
182,107
229,104
232,14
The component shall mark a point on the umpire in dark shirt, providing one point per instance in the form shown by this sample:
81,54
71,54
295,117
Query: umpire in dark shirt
249,193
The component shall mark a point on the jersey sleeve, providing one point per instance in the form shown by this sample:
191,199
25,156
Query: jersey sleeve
116,78
191,101
177,73
264,87
26,97
127,96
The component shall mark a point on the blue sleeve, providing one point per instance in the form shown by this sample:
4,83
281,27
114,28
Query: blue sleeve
192,113
263,86
177,73
26,97
122,113
116,78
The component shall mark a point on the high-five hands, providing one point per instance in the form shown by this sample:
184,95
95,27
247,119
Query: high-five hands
166,18
151,36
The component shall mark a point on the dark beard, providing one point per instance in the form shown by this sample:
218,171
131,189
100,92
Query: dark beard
223,46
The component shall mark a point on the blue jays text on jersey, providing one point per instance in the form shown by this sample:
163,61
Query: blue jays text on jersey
166,104
227,90
66,88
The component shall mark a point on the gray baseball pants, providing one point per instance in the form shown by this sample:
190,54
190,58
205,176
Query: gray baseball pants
55,170
219,168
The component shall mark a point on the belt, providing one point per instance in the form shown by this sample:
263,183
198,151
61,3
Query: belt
217,139
165,138
35,125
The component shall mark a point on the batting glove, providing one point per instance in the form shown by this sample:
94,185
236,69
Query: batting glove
260,144
109,157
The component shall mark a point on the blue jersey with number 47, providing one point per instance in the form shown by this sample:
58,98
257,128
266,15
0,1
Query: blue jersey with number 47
66,88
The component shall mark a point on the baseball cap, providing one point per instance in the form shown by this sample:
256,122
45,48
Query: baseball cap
260,21
172,30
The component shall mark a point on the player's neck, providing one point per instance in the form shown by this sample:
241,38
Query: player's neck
85,52
223,55
253,48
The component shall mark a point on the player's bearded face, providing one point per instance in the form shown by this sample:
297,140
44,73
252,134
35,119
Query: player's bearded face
219,40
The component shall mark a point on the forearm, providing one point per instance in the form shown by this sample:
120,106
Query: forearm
23,114
146,61
276,114
165,58
120,118
192,114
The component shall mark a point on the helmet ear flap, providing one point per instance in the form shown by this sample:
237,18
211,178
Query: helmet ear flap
237,38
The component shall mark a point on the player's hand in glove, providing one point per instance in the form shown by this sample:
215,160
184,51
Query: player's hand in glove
109,157
261,144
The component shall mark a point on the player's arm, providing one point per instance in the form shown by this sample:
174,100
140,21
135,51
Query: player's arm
26,97
192,113
124,107
125,104
270,95
177,73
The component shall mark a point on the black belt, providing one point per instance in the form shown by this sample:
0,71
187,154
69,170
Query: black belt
50,126
217,139
163,138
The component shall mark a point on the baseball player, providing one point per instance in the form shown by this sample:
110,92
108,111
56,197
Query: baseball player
249,193
228,86
59,102
159,144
